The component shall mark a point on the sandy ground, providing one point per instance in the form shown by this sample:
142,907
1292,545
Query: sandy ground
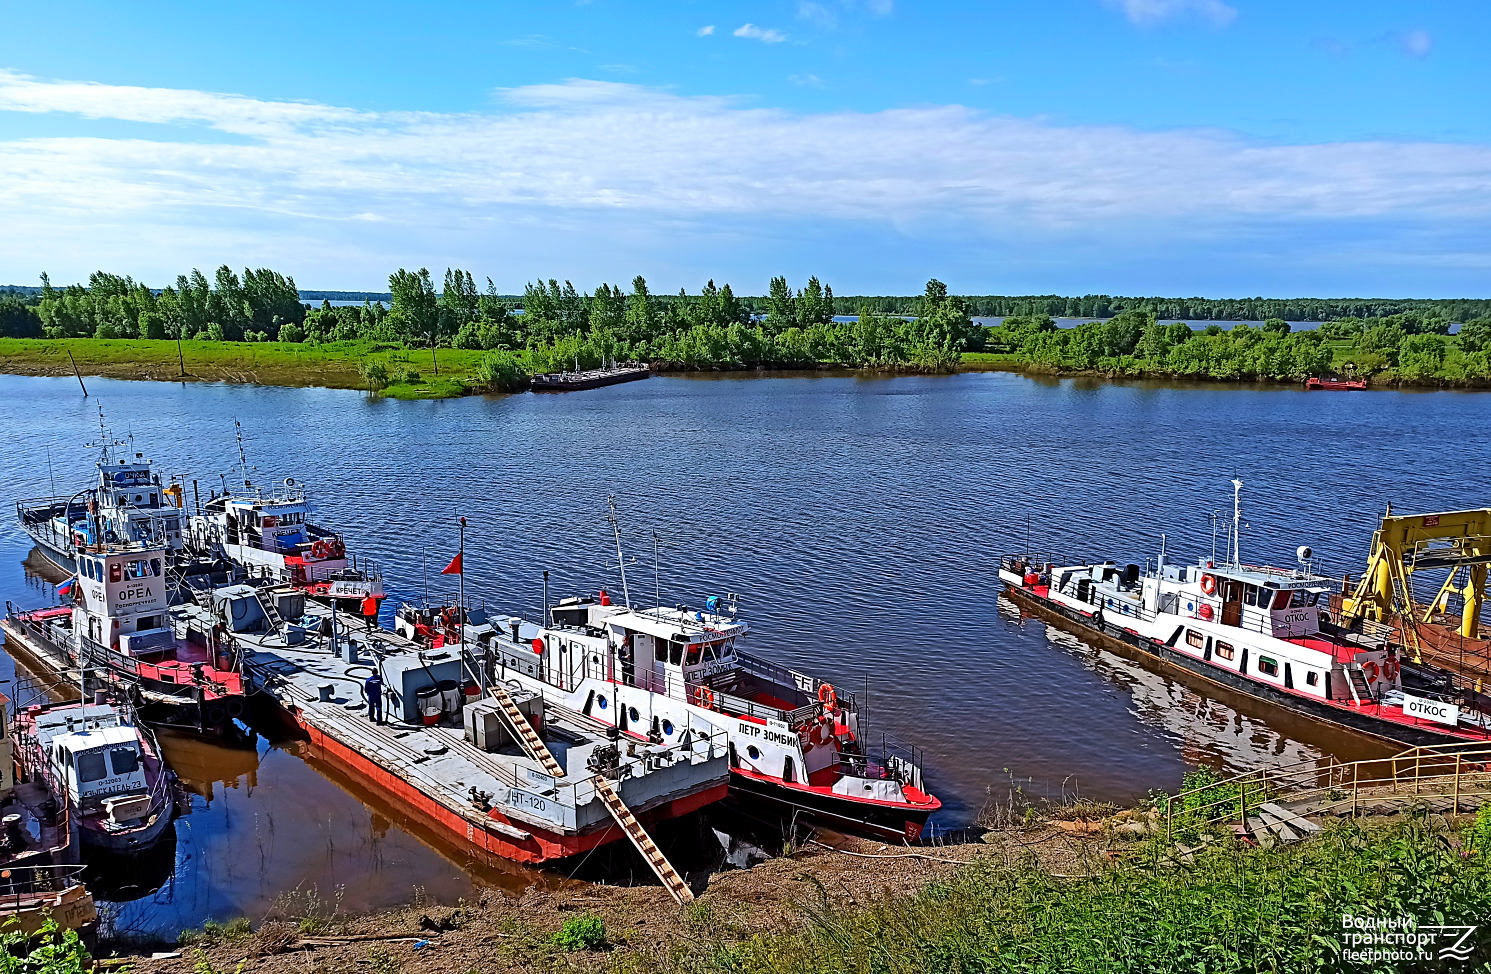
500,934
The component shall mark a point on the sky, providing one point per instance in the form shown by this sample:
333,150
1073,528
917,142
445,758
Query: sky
1173,147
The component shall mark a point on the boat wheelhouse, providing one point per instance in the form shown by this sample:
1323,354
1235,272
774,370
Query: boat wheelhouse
270,535
107,770
127,503
793,738
115,633
1257,629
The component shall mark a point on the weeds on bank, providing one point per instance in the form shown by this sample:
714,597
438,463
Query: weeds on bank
51,950
213,933
308,909
1233,908
202,964
584,932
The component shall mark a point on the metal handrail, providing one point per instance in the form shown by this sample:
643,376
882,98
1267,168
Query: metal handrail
1432,765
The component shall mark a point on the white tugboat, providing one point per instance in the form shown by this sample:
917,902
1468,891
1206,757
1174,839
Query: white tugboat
114,632
106,769
1252,628
268,534
128,502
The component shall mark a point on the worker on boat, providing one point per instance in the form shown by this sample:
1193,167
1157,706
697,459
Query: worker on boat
370,610
373,687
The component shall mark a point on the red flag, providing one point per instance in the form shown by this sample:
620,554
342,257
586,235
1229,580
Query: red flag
454,568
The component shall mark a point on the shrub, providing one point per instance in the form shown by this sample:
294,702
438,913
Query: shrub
501,371
584,932
292,333
51,950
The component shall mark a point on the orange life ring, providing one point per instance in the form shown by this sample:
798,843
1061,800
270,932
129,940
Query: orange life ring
704,697
827,696
1204,611
1369,669
1208,584
1390,669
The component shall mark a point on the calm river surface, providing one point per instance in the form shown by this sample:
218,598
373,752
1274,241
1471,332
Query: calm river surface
861,521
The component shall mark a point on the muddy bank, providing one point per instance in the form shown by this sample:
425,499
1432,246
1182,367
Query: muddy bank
643,927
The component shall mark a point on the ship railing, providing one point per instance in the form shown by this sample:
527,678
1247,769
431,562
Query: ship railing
31,760
784,676
96,656
887,759
19,885
1455,770
1037,561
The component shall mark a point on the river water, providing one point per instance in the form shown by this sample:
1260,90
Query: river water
860,520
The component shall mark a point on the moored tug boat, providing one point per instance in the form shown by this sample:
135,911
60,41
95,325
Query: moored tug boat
107,770
115,632
128,503
39,875
1256,629
269,535
794,739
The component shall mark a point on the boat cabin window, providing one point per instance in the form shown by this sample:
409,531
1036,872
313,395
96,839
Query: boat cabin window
660,650
692,657
125,760
1267,666
1225,650
91,766
1312,678
1195,638
675,653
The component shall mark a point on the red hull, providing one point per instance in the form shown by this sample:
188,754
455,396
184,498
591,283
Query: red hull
540,847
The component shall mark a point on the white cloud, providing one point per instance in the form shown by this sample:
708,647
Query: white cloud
806,80
817,14
264,177
766,35
1416,43
1154,11
705,31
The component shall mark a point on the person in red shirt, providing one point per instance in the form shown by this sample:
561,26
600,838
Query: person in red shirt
370,610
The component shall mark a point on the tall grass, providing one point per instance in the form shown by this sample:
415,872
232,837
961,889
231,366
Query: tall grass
1232,909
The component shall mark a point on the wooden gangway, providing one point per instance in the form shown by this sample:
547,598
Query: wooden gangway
1283,804
535,748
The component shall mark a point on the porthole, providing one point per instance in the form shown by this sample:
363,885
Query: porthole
603,703
632,713
667,728
753,752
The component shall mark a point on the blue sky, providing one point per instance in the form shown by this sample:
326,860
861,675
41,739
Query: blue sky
1213,147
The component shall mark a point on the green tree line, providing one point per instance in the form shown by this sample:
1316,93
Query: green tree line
1410,347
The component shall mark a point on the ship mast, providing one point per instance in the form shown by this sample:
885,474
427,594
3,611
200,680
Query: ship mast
1237,521
626,595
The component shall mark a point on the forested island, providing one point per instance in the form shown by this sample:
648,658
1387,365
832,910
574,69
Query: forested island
430,340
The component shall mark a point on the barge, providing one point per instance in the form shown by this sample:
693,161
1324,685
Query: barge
589,379
500,768
1251,628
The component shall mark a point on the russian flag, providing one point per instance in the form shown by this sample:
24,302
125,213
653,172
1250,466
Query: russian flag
65,588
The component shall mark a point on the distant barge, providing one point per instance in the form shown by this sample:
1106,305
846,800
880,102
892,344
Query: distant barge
589,379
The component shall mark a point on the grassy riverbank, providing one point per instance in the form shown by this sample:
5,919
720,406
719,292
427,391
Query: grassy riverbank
397,371
1037,895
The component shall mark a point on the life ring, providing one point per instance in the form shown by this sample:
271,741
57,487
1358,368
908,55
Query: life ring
1204,611
318,550
704,697
1390,668
1208,584
828,697
336,548
1369,669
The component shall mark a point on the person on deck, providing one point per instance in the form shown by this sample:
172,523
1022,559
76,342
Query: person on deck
370,610
373,687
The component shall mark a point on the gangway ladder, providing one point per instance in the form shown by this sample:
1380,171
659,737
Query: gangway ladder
1360,690
660,865
535,748
528,738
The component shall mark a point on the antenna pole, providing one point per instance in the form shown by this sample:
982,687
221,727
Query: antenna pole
657,597
1237,522
620,561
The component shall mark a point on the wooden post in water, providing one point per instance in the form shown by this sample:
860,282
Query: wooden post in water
180,358
76,372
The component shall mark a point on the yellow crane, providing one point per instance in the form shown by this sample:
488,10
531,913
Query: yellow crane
1457,541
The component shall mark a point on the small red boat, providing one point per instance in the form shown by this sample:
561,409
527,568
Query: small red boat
1335,385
